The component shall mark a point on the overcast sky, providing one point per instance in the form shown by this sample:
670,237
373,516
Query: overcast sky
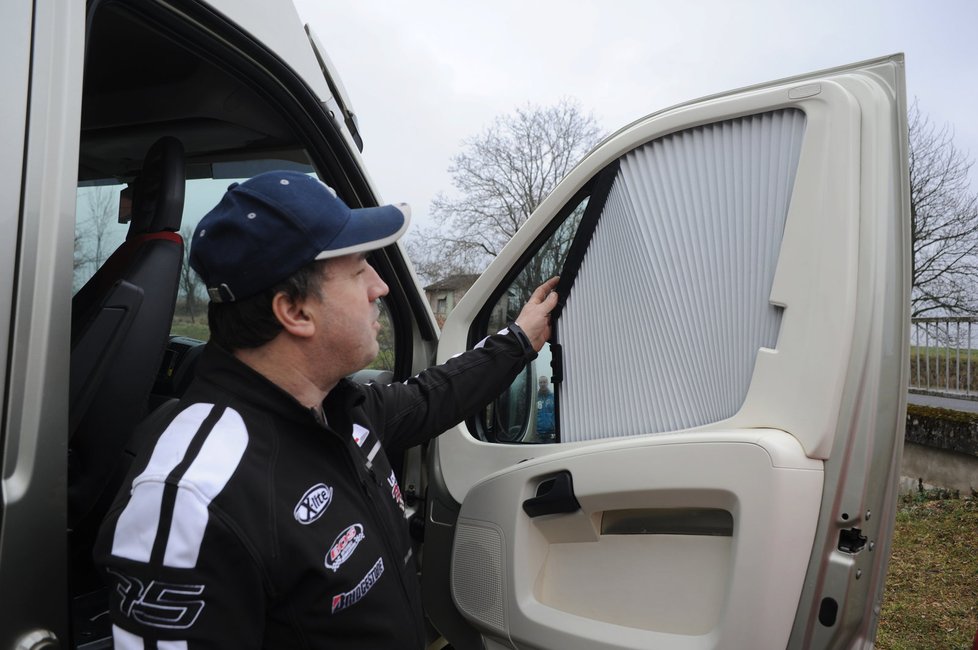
423,75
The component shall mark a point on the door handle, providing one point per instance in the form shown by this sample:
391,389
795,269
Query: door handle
554,496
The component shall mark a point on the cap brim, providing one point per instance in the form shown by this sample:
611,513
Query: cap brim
369,229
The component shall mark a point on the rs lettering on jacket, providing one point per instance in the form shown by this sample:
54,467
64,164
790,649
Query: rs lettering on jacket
164,605
313,504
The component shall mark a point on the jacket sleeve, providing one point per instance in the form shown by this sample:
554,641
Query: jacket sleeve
218,602
442,396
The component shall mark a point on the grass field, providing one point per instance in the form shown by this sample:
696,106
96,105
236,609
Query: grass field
931,595
196,329
939,352
940,368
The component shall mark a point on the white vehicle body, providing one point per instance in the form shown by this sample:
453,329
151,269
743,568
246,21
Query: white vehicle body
743,260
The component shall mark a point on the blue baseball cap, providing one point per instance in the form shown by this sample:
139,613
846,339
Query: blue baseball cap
268,227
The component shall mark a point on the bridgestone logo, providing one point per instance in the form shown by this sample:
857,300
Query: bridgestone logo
352,597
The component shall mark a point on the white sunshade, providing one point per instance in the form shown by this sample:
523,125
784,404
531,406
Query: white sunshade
671,303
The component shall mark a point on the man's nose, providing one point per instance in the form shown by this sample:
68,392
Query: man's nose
379,287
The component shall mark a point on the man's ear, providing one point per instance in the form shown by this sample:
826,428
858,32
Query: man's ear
293,316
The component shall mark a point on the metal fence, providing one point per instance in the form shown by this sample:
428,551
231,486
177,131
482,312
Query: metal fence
943,356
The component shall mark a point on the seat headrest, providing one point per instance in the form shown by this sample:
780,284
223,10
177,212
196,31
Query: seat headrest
157,201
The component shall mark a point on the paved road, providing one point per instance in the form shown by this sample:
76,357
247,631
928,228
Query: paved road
967,405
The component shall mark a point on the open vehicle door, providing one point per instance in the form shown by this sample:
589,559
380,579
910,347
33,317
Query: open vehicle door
729,364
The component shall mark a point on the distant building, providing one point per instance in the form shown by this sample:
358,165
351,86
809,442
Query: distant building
445,294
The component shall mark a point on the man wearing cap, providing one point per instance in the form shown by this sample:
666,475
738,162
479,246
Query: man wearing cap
262,511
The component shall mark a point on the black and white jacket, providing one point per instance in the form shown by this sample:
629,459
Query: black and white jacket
246,523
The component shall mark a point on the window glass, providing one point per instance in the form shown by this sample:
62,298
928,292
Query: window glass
526,413
98,233
202,194
385,340
545,263
97,229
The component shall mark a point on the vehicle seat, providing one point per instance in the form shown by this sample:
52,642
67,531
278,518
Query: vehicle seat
120,325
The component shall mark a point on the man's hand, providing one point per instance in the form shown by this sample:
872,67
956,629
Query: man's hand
534,318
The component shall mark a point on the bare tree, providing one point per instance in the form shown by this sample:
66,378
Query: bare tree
429,261
80,258
501,175
190,283
101,216
945,221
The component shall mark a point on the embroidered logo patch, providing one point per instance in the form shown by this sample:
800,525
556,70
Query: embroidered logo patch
360,434
395,490
352,597
313,504
343,546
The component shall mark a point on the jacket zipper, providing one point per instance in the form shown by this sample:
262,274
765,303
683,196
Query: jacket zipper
383,520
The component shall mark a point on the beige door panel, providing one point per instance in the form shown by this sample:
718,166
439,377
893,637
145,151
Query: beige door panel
657,556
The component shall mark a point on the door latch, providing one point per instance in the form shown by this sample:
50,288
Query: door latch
851,540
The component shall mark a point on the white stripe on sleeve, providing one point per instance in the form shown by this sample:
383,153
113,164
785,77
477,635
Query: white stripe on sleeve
171,645
373,452
135,531
123,640
203,481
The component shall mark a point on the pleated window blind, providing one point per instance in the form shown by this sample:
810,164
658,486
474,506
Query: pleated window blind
671,304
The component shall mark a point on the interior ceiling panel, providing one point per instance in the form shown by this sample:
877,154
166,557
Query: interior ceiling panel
140,85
